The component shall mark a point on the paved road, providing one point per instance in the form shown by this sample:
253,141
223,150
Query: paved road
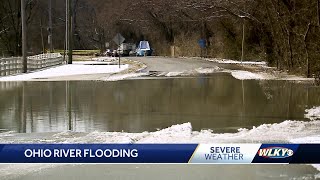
165,64
161,64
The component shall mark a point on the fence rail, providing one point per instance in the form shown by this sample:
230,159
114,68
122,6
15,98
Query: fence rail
10,66
13,65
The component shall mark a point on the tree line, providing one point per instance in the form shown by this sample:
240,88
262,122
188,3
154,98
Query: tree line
285,33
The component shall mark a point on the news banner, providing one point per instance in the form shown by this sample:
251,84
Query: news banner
161,153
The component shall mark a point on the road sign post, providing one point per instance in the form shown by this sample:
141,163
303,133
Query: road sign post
119,39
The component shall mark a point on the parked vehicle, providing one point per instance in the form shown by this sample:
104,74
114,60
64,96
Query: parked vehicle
125,48
141,52
144,49
108,52
132,53
115,53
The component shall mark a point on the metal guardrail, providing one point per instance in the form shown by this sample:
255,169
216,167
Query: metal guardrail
45,56
10,66
13,65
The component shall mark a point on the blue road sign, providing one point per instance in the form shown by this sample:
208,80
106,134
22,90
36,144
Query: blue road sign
202,43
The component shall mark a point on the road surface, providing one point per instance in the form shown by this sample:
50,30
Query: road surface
165,64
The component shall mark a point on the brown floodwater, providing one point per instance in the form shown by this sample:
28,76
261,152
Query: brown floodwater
218,102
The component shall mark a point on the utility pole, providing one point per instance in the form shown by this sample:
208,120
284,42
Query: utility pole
50,27
41,34
70,30
24,36
66,33
243,38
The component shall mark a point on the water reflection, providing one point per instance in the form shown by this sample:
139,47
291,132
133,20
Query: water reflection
221,103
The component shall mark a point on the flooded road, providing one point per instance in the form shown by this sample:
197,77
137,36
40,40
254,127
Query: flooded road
220,103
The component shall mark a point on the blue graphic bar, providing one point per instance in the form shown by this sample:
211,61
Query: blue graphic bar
96,153
161,153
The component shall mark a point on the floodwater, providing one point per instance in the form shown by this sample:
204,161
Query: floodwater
220,103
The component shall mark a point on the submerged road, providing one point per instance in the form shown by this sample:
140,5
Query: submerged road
166,64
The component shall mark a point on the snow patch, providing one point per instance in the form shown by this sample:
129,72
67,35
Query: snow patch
118,77
173,134
7,134
317,166
104,59
282,132
94,62
67,70
207,70
313,113
246,75
172,74
202,70
228,61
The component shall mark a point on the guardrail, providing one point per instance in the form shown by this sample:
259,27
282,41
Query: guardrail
10,66
44,60
13,65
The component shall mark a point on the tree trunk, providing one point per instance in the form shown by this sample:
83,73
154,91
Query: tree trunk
306,49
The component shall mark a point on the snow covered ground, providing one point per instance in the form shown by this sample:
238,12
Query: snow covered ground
78,68
313,113
94,62
285,132
108,59
246,75
197,71
228,61
118,77
207,70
